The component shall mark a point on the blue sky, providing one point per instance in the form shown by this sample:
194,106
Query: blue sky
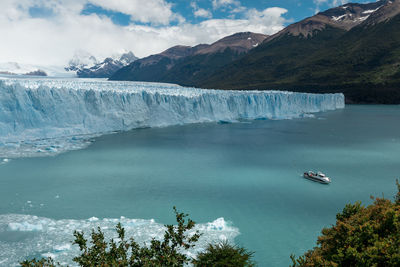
50,32
297,9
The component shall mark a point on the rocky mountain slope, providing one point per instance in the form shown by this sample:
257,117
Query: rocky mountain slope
344,17
185,64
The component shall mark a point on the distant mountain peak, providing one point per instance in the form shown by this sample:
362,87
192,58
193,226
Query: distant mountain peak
177,51
81,59
127,58
86,65
239,42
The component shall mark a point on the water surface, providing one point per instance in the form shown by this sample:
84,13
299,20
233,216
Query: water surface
248,173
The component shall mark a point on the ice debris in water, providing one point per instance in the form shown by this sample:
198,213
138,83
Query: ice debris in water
4,161
25,227
49,116
47,237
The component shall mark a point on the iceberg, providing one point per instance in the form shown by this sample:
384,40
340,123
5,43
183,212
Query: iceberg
47,115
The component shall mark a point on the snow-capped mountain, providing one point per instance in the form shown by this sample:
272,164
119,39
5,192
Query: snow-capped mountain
81,59
127,58
86,65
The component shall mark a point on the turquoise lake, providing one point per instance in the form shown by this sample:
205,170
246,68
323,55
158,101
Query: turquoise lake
249,173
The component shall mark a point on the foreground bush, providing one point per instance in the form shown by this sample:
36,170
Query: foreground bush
362,236
223,255
39,263
165,253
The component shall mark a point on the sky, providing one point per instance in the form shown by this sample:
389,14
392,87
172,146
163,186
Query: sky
50,32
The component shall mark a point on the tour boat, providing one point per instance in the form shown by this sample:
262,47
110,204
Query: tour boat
317,177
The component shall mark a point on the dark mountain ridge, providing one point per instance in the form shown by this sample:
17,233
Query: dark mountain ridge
184,63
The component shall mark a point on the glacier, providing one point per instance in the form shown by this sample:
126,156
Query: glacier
49,115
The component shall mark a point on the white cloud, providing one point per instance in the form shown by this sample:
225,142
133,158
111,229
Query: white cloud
266,18
225,3
329,3
146,11
339,2
200,12
238,9
53,40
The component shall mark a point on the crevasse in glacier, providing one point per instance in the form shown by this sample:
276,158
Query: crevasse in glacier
32,111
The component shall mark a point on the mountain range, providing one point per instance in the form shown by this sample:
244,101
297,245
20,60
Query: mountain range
185,64
354,49
82,64
86,65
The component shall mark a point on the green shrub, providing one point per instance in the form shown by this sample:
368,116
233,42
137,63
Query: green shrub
167,252
224,255
362,236
39,263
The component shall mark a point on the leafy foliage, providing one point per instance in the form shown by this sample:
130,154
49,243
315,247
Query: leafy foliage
397,197
362,236
39,263
224,255
129,253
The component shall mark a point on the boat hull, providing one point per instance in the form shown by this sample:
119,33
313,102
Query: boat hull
315,179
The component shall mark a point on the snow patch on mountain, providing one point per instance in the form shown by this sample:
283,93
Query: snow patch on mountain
371,11
339,17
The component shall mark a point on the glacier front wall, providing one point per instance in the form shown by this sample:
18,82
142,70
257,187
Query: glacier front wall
32,109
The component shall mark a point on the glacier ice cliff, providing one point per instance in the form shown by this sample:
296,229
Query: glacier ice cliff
34,111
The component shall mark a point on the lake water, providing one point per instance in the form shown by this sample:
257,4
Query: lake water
248,173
